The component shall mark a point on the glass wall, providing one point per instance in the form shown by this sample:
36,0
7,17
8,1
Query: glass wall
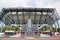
38,19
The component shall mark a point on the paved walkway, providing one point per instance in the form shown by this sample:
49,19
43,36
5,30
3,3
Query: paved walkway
17,35
29,39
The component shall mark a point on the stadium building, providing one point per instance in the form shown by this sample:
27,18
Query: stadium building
29,19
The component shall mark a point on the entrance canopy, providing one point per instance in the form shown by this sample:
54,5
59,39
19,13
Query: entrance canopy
21,15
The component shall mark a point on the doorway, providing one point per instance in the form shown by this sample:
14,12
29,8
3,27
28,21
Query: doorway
29,33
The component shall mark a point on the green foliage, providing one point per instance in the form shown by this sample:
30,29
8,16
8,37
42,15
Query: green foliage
17,28
52,29
6,28
11,28
45,28
0,29
58,29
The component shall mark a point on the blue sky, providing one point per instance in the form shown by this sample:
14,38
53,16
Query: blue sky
30,3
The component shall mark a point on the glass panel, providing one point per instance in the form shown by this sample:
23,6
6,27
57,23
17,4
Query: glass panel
15,17
32,17
26,17
13,12
20,18
49,13
38,12
19,13
37,17
45,13
43,18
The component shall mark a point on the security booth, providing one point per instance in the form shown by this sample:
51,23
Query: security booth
9,33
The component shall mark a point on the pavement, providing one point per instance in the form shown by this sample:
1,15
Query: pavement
16,38
41,35
17,35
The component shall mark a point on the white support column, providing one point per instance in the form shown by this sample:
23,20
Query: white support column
1,25
29,25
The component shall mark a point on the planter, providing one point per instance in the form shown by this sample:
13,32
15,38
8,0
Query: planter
2,34
16,32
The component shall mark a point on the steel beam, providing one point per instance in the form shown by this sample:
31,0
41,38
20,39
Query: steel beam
23,18
35,18
17,17
40,17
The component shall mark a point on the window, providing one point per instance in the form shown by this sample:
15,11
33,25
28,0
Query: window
13,12
44,12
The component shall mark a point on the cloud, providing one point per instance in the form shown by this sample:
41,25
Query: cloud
25,3
57,6
30,3
12,3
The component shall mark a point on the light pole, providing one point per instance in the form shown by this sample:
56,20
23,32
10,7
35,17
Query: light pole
38,32
20,31
38,29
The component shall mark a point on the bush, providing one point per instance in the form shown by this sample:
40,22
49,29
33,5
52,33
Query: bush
6,28
58,29
52,29
45,28
17,28
11,28
0,29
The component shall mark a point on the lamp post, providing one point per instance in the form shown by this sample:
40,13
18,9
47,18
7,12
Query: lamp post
20,31
38,32
38,29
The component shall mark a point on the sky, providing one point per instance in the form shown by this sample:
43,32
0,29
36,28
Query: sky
30,4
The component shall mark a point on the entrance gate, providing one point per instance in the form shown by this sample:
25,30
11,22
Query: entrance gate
29,33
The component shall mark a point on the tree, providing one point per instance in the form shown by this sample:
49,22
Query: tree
58,29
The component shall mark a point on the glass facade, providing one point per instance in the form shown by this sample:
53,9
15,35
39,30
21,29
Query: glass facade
22,17
38,17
